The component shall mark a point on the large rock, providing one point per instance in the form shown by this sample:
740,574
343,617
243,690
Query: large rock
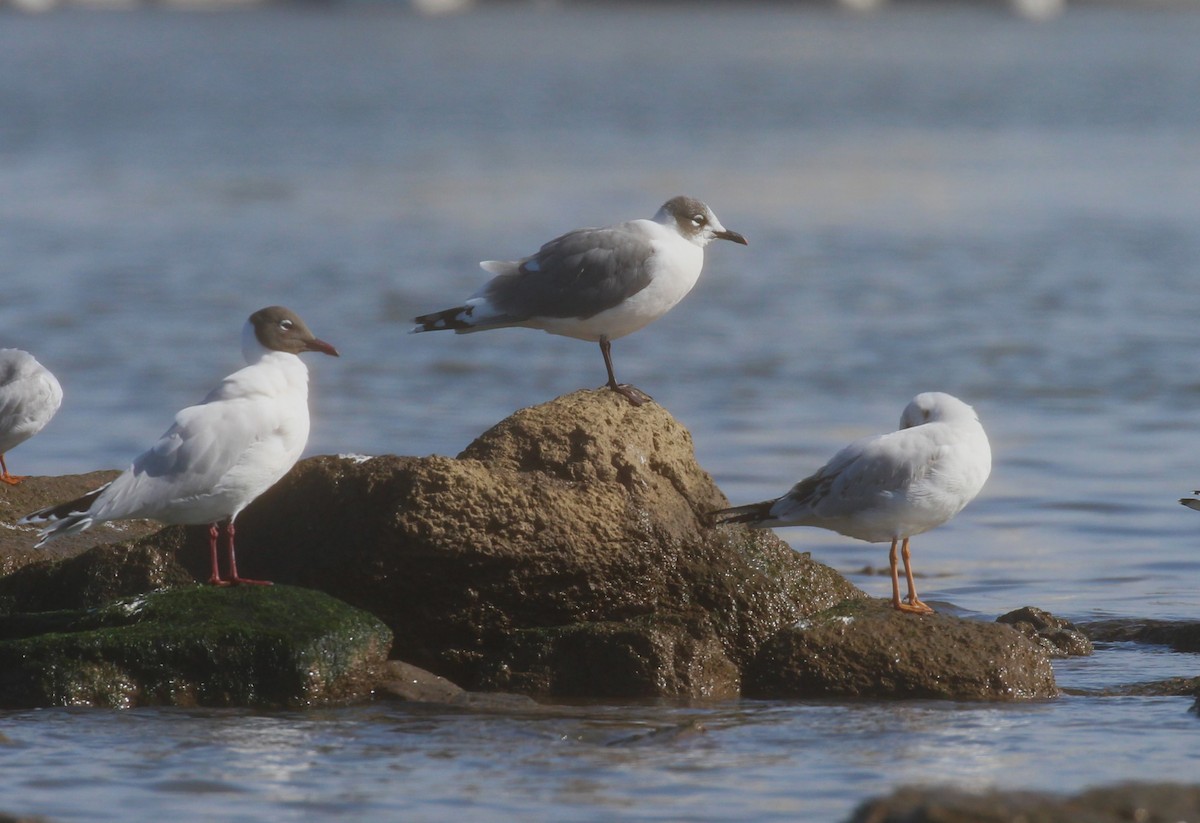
198,645
572,536
566,552
868,649
1109,804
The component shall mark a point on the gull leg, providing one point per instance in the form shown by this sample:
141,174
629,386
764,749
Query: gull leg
892,563
914,604
233,572
215,579
5,477
634,395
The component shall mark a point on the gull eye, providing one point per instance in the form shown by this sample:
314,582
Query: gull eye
286,325
699,220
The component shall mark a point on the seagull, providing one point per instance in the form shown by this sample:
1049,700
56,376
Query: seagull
1191,502
29,396
595,284
220,454
889,486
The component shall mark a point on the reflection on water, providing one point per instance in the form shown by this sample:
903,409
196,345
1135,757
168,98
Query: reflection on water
936,198
741,760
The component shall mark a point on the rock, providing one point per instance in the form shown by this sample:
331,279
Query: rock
1181,636
574,528
404,681
91,579
1168,687
199,645
1111,804
411,684
868,649
16,542
1057,636
638,658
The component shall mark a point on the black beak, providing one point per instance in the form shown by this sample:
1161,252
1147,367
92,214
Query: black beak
730,235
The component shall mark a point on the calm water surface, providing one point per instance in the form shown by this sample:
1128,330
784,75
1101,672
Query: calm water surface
936,198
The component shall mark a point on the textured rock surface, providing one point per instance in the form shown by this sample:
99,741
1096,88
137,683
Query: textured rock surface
199,645
1113,804
566,552
1181,636
16,542
1059,637
868,649
584,510
90,579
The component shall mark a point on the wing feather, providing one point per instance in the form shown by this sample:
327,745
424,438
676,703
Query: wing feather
580,274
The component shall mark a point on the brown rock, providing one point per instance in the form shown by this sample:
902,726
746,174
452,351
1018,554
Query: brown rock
90,579
1057,636
16,543
404,681
1110,804
868,649
585,510
1181,636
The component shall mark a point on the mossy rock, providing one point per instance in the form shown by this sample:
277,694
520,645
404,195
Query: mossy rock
198,645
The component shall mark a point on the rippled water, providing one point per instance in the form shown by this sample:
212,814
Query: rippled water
936,197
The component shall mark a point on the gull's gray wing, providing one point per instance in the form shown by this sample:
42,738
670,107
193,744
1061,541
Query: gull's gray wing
580,274
863,473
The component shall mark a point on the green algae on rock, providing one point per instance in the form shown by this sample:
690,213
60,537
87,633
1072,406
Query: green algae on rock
198,645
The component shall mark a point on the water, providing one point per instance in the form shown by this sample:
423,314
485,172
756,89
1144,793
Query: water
936,197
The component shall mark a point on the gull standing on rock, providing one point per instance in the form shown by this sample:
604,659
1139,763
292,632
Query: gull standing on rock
595,284
29,396
219,455
889,486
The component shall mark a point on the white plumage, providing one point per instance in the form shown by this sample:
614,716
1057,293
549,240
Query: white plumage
595,284
29,397
219,455
889,486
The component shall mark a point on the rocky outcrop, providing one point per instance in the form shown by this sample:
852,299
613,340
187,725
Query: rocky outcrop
572,533
868,649
196,645
1110,804
566,552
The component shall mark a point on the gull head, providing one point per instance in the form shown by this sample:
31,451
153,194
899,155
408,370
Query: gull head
935,407
277,328
695,221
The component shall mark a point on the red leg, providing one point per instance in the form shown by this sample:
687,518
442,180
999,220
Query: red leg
215,579
233,572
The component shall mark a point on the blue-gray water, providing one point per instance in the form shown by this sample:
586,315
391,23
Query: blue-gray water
936,197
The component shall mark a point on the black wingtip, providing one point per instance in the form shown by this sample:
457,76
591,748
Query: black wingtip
452,319
61,511
753,513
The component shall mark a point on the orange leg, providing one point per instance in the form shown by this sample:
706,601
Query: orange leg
5,477
914,603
